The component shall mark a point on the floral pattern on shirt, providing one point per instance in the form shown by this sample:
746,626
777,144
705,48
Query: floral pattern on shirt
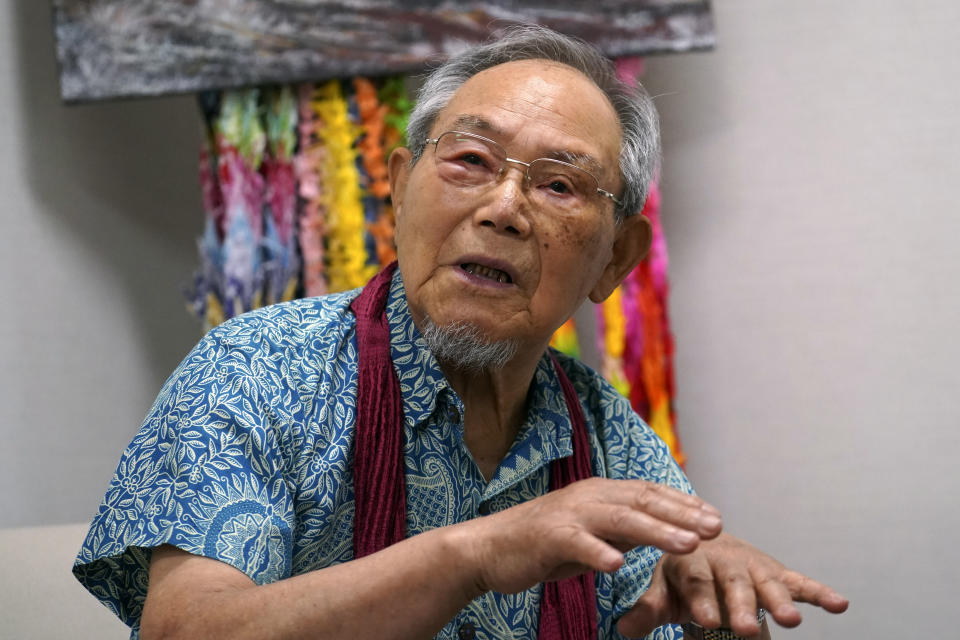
245,457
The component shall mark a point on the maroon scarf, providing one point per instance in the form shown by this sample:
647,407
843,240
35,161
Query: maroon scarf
568,610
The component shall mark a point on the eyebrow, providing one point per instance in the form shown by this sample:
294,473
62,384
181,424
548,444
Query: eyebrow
476,122
582,160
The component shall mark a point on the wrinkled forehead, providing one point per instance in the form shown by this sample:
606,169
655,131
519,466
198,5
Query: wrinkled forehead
537,105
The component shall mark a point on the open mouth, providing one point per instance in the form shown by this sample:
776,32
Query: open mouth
487,272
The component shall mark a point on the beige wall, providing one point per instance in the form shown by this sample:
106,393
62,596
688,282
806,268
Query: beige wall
810,190
811,164
39,597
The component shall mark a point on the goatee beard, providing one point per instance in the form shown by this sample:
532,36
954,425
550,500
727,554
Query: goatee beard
463,346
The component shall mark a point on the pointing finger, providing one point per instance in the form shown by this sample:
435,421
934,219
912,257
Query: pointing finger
804,589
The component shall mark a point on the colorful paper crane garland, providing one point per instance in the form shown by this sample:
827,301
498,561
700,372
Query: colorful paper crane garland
291,207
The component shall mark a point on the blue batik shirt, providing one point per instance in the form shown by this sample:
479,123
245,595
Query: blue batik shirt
245,457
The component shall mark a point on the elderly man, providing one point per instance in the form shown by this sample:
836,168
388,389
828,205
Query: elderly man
411,460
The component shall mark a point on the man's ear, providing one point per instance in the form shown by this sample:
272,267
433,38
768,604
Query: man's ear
629,248
398,170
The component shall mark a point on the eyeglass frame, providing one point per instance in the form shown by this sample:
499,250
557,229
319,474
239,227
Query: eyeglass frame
526,173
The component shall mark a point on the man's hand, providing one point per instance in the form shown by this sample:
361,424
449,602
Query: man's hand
723,583
583,526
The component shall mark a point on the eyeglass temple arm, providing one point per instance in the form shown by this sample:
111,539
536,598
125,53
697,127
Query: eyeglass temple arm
609,195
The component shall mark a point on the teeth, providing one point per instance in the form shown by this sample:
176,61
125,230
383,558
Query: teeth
486,272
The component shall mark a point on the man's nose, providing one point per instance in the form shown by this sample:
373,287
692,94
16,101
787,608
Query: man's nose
507,207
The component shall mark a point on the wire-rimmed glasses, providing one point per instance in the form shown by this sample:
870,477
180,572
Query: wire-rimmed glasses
470,160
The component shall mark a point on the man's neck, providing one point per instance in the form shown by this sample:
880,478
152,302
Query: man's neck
495,408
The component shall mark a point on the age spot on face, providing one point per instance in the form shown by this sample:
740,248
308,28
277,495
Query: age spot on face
577,240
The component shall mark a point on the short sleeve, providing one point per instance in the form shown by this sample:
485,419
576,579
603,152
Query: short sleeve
205,473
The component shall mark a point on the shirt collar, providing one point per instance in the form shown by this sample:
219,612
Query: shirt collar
421,379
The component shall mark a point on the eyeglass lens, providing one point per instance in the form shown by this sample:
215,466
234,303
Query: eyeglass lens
472,161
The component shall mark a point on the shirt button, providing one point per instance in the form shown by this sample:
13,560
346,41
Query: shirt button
483,509
468,631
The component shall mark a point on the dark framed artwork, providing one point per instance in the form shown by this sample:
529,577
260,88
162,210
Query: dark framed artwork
123,48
